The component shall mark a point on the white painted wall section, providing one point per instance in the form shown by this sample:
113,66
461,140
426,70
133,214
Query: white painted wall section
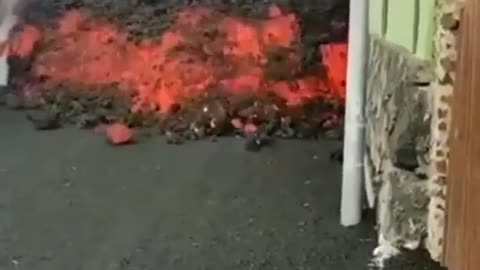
8,19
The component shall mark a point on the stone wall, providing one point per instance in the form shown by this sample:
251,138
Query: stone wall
398,141
408,117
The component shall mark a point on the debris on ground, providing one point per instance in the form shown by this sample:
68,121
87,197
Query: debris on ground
43,119
119,134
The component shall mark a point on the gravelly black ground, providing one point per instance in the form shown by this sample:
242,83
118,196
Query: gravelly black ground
71,202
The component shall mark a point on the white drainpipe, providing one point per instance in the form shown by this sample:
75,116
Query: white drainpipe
7,21
352,182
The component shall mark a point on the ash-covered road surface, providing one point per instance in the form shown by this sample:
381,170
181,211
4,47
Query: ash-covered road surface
69,201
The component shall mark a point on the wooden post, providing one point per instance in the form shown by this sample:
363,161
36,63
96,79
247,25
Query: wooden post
463,230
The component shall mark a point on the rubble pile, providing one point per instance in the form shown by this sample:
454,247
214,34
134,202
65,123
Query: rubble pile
187,70
258,119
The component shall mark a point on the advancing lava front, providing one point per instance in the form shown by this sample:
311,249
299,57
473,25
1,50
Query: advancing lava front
182,69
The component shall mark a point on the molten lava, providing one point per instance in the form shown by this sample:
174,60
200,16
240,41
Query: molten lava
202,50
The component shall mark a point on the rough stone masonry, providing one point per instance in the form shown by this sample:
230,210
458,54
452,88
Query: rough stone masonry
398,141
408,125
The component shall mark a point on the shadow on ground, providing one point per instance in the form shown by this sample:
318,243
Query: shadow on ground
72,202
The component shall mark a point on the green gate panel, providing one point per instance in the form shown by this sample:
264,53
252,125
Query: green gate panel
401,23
426,29
377,17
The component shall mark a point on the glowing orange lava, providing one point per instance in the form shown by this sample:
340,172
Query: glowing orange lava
202,50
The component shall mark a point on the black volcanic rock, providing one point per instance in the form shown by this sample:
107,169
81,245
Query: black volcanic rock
44,120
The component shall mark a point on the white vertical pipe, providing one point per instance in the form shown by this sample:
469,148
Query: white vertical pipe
8,19
352,182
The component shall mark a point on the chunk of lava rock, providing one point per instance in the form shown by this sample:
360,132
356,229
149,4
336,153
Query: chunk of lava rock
250,129
119,134
237,123
44,120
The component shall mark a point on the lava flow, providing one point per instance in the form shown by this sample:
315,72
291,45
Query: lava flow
202,50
